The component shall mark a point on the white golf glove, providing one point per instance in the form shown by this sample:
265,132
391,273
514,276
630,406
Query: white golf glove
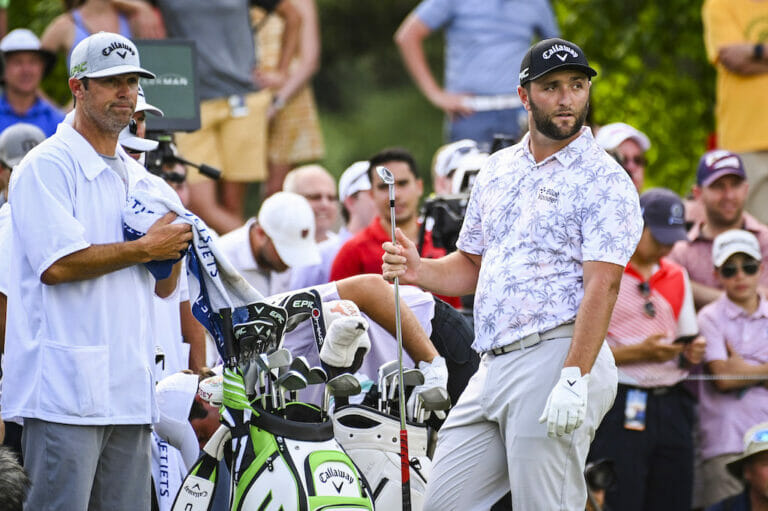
347,332
435,375
567,403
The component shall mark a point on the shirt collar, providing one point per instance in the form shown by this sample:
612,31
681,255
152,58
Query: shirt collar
565,156
92,163
733,311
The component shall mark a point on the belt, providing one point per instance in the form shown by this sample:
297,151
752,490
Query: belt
497,102
564,330
654,391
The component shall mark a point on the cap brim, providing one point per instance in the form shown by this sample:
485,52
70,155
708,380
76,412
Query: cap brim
562,67
119,70
669,235
736,248
138,144
146,107
717,175
295,255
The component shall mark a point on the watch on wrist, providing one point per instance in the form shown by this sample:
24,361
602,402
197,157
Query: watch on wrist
757,52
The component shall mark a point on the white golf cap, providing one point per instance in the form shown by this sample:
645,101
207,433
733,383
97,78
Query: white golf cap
448,156
288,220
469,165
611,135
105,54
17,140
22,39
175,394
732,242
130,140
354,179
143,106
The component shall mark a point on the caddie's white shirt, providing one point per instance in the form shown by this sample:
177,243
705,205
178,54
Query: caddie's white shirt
535,224
383,345
79,352
236,246
6,237
168,328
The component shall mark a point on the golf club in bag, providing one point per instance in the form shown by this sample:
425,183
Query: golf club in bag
275,463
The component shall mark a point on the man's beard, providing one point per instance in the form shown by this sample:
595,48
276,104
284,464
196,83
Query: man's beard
547,127
108,123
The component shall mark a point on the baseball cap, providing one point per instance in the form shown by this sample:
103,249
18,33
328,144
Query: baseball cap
755,441
732,242
716,164
128,137
354,179
610,136
664,214
288,220
17,140
105,54
22,39
551,55
469,165
448,156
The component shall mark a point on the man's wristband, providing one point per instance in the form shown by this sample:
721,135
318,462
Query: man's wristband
757,51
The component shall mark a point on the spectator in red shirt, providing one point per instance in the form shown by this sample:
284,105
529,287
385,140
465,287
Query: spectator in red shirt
363,252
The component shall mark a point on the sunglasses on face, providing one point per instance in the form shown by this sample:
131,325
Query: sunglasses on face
648,307
174,177
640,161
729,270
133,126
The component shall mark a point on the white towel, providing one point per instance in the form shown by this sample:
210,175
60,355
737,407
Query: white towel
214,283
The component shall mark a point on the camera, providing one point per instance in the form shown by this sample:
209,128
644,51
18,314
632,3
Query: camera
600,474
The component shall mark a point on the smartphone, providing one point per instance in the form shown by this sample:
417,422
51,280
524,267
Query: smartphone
685,339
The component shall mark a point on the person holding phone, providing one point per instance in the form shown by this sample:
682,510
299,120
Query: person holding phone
648,432
736,329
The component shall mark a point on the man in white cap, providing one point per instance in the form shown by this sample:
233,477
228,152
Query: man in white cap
133,137
357,209
629,146
24,65
446,161
78,369
751,467
282,236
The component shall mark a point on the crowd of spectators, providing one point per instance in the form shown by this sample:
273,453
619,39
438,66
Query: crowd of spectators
689,332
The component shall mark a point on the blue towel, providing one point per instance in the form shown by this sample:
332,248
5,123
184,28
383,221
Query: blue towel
213,281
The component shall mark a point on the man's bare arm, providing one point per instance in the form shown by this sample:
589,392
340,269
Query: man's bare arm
376,298
703,294
162,241
193,334
739,58
601,287
452,275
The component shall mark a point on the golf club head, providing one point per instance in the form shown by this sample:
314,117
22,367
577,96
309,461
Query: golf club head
280,357
344,385
385,175
433,399
300,365
317,375
292,380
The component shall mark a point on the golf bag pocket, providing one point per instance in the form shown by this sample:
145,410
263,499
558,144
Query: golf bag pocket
372,440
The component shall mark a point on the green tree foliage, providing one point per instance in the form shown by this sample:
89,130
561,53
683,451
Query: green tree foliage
653,74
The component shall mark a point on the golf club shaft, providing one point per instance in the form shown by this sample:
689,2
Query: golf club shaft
404,463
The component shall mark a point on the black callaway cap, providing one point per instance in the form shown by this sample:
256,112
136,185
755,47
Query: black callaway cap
550,55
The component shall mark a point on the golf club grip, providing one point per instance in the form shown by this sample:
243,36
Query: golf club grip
405,470
226,332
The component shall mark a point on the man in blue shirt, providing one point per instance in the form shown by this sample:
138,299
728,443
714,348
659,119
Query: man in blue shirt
485,41
24,65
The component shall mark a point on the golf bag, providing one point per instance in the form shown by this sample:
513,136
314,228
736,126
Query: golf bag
371,438
275,463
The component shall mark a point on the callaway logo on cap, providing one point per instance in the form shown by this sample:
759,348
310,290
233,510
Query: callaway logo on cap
550,55
105,54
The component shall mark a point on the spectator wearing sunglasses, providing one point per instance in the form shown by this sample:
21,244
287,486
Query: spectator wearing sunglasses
648,432
722,188
736,329
629,146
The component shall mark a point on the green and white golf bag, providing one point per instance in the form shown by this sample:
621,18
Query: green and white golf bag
372,440
275,463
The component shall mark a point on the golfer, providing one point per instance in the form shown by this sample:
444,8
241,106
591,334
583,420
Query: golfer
551,223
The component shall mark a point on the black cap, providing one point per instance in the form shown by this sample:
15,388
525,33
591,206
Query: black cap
550,55
664,214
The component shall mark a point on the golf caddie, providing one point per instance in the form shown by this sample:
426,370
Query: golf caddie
79,351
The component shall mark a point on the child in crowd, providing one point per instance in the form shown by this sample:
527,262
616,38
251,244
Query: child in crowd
736,329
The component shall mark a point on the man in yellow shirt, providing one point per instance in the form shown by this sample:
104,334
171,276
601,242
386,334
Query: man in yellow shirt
735,35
